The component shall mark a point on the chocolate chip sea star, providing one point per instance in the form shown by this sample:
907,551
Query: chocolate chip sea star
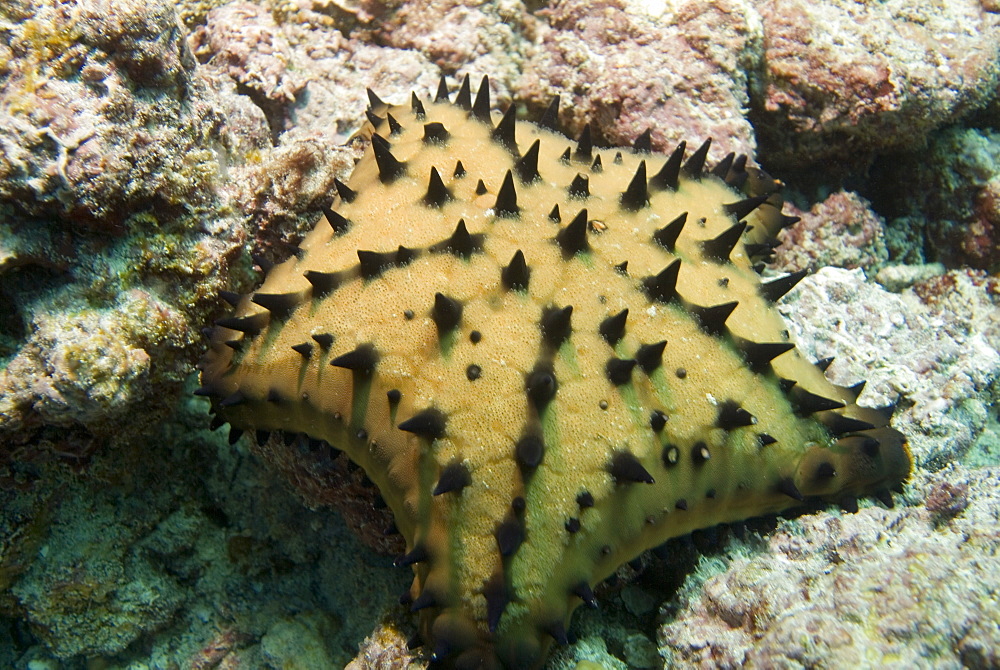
549,357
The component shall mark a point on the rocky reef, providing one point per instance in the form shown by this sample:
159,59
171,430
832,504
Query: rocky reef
839,591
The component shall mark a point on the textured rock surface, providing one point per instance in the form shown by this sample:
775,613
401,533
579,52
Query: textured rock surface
77,137
907,584
193,558
244,41
384,649
678,69
949,209
842,231
934,346
461,36
97,590
114,238
842,591
845,79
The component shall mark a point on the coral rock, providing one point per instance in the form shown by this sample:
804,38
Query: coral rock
679,69
828,93
842,231
877,588
244,41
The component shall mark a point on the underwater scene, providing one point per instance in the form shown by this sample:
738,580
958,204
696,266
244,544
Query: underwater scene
568,335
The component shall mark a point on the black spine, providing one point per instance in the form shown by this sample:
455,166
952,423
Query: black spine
515,276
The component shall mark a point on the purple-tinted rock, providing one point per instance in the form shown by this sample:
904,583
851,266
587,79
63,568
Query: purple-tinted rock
843,81
625,68
243,41
465,36
82,96
841,231
889,588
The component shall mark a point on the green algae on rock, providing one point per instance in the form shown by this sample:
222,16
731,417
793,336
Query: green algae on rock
549,357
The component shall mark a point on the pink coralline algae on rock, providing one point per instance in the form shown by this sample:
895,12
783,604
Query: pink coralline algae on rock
844,80
72,145
623,67
880,588
842,231
461,36
243,41
280,189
